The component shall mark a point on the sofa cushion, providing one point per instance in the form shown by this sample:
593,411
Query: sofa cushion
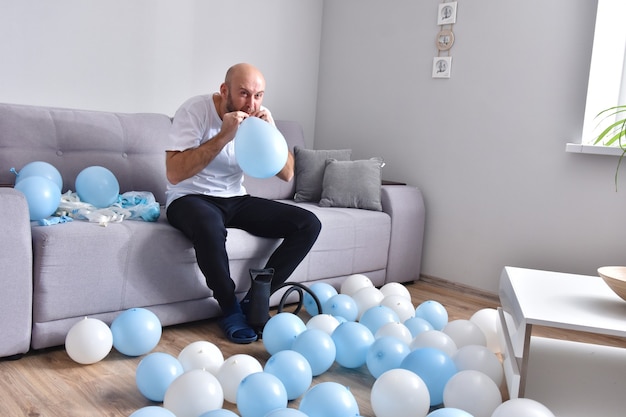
351,241
310,166
138,264
353,184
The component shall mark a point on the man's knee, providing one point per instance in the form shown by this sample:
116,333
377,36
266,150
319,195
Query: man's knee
313,225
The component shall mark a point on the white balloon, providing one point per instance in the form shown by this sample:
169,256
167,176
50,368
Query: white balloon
88,341
353,283
201,355
400,393
397,330
434,339
404,308
194,393
522,407
487,319
472,391
465,333
366,298
479,358
233,371
395,288
324,322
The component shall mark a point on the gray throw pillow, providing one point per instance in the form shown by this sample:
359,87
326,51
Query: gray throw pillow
309,166
353,184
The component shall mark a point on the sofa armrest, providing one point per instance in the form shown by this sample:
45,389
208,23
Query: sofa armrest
16,278
405,205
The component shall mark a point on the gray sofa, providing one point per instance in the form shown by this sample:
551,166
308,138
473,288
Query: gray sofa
51,276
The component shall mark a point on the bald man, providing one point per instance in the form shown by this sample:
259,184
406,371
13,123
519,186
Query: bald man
205,196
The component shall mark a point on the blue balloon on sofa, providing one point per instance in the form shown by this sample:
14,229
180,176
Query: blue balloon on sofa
97,186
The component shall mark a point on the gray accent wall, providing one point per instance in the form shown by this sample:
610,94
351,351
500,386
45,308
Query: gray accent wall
487,146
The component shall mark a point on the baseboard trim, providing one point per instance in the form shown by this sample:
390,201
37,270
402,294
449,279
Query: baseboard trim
466,289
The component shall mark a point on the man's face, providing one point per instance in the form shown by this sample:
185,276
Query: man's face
245,95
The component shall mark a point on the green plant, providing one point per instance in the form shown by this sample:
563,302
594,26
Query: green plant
613,135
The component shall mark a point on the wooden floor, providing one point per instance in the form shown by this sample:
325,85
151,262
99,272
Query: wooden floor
48,383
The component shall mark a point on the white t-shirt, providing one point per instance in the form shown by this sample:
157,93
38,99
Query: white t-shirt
196,122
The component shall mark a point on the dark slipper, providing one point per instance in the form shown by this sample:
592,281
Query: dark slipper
237,330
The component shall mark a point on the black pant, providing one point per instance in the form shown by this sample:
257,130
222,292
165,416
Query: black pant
204,219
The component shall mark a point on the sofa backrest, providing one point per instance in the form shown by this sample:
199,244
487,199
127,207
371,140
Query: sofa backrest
130,145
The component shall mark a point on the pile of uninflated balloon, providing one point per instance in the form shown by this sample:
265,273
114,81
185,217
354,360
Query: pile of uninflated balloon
422,363
41,183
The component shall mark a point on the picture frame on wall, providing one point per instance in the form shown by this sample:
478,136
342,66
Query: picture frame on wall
442,66
445,39
447,13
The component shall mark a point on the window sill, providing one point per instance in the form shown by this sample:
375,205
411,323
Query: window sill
593,149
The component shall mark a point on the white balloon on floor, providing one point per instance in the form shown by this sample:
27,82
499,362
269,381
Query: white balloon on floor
201,355
472,391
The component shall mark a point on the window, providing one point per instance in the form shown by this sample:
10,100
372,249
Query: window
607,77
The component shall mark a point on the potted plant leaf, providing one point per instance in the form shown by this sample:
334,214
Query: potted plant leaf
613,135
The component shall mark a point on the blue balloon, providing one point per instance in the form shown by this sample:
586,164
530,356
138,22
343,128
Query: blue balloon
293,370
375,317
136,331
434,367
352,341
286,412
280,331
434,313
341,305
417,325
323,292
260,148
40,169
219,413
329,399
155,373
97,186
42,195
152,411
259,393
449,412
386,353
318,348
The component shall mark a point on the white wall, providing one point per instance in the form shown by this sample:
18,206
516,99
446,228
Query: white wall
487,147
151,55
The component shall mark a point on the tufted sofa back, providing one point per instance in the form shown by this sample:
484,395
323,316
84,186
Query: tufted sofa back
130,145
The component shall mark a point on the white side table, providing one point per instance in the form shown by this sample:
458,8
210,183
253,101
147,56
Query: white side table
551,299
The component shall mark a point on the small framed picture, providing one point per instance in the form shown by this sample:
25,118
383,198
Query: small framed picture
445,39
442,66
447,13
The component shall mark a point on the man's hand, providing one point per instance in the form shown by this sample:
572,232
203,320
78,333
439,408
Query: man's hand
231,122
263,115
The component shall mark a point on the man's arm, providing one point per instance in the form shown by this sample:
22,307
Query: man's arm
286,174
180,165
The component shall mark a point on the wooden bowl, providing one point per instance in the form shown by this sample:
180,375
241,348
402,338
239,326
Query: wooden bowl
615,278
